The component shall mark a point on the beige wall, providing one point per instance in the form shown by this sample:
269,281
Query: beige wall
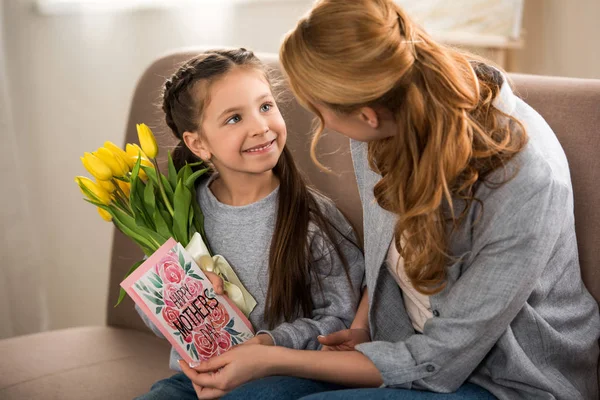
562,37
71,78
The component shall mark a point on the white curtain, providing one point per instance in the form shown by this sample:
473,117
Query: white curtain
22,305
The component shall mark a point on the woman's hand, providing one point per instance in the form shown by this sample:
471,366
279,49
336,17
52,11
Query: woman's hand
344,340
219,375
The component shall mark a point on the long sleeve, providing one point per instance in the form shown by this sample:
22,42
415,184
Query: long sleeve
149,323
509,257
334,307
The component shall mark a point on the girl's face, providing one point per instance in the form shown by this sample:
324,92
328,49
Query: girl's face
243,131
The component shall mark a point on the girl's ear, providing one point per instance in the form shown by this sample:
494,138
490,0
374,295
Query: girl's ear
196,145
369,116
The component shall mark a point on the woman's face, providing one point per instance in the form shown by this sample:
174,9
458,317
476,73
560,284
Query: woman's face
365,124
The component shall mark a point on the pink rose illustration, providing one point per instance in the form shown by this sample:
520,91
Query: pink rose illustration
170,315
170,271
205,346
170,258
194,286
223,342
219,317
170,295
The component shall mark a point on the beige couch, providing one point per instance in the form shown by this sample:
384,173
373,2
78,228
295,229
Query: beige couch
123,359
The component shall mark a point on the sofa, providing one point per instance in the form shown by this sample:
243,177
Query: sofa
122,359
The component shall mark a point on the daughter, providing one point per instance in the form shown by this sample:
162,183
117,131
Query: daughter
291,248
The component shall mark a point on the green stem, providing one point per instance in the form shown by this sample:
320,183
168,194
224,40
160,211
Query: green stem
161,188
118,202
123,198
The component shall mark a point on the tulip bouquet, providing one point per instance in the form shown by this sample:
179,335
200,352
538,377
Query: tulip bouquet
150,207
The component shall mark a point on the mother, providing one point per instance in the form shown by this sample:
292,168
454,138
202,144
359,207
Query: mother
472,268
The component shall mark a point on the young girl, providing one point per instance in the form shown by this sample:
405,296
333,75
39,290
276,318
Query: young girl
472,270
289,245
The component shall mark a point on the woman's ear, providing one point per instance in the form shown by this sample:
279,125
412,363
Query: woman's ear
369,116
196,145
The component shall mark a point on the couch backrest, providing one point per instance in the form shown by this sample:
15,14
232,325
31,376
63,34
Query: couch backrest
571,107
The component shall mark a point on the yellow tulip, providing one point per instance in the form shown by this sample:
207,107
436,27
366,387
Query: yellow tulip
96,167
125,187
118,168
146,163
147,140
133,150
119,153
104,214
98,193
108,185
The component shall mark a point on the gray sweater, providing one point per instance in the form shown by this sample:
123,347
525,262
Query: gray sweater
243,236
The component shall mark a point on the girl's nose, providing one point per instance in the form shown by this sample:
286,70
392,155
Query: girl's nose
260,128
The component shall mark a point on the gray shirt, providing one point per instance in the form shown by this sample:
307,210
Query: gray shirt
514,317
243,236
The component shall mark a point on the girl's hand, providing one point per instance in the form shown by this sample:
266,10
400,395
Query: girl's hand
261,338
216,281
344,340
219,375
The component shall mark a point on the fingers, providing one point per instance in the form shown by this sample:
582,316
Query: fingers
216,281
336,338
208,393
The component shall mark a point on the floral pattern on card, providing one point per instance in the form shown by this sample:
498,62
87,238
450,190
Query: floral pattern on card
188,305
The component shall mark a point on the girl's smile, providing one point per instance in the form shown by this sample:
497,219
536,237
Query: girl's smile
261,148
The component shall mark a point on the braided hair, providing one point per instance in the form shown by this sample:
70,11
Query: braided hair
181,103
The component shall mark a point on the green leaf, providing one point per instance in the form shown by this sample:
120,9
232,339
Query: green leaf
151,172
194,351
94,202
122,293
231,331
182,172
156,284
134,178
181,259
157,277
166,217
142,218
196,276
149,238
149,199
181,206
130,228
189,182
188,266
172,173
161,225
153,300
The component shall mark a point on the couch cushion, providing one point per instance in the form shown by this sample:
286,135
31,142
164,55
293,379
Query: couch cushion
82,363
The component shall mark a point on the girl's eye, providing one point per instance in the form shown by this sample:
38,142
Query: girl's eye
233,120
266,107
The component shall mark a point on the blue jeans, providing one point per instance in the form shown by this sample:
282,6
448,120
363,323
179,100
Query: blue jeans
176,387
288,388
